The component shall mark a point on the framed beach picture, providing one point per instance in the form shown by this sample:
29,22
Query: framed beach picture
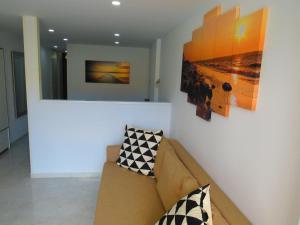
107,72
222,62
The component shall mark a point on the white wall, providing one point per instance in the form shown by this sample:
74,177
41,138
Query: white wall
11,42
253,156
68,138
78,89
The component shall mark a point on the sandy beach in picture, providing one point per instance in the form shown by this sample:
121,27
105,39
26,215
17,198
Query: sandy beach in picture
107,72
222,63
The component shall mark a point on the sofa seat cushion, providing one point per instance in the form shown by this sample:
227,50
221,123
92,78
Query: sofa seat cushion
127,198
163,148
174,181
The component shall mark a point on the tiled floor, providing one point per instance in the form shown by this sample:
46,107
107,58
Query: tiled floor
25,201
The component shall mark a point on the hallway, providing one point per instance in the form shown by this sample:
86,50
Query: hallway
56,201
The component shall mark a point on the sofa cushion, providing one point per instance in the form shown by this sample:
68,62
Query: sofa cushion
174,181
190,210
225,208
217,217
163,147
139,149
127,198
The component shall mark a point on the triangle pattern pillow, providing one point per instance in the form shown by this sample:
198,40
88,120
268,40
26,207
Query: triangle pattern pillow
193,209
139,149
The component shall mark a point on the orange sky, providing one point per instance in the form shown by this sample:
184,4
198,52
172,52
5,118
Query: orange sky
106,67
227,34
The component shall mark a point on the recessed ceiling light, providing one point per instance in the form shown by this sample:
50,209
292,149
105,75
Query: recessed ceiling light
55,46
116,3
116,42
117,35
51,30
65,39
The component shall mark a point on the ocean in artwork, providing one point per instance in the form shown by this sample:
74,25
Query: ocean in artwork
107,72
215,84
222,62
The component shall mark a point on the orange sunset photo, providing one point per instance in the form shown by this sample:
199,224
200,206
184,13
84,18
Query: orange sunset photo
107,72
222,63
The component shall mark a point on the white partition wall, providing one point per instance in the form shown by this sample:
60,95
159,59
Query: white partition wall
69,138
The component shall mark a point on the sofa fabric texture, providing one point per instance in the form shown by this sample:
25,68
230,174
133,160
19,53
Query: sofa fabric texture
175,181
219,199
128,198
163,147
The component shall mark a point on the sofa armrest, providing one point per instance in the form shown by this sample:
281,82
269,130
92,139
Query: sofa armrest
113,152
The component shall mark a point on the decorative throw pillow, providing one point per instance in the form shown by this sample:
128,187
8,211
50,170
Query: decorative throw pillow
139,150
192,209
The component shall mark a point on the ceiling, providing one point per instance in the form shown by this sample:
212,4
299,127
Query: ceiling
139,22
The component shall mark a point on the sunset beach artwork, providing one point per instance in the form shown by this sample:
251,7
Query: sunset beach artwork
107,72
222,64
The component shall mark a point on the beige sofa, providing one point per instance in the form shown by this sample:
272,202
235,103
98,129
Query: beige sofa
127,198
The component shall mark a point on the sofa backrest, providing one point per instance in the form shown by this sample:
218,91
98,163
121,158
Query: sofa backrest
226,207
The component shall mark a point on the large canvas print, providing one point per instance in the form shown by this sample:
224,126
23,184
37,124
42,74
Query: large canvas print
222,63
107,72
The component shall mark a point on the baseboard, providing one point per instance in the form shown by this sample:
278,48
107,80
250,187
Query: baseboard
64,175
12,141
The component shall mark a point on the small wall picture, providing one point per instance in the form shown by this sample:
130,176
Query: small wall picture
107,72
222,62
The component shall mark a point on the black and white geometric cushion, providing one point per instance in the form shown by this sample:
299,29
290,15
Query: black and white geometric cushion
190,210
139,149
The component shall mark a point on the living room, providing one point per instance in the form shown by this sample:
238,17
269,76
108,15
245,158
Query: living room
183,76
